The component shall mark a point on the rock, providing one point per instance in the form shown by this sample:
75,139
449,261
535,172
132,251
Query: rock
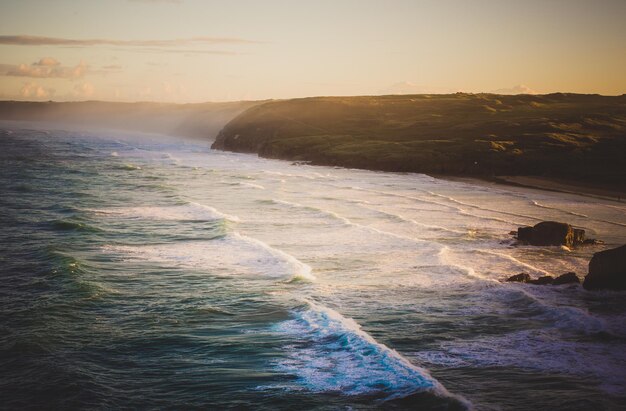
551,233
519,278
524,234
592,241
546,279
567,278
607,270
579,236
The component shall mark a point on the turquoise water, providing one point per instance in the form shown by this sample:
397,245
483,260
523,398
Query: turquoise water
141,271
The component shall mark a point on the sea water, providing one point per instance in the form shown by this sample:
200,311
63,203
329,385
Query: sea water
139,271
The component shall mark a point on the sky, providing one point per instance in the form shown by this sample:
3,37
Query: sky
188,51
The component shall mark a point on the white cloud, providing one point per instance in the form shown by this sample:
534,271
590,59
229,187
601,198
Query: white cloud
56,41
84,89
46,67
47,61
35,91
519,89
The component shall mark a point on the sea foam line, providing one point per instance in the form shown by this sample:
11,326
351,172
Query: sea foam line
189,211
300,269
336,355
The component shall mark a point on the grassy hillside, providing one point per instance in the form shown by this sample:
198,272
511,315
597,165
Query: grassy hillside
190,120
576,137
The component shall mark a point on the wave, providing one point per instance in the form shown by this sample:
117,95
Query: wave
454,200
537,204
318,211
335,355
191,211
532,268
401,218
448,206
553,307
296,268
70,225
128,167
351,223
252,185
535,350
232,254
444,255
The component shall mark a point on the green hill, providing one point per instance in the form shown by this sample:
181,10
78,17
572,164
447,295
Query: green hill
571,136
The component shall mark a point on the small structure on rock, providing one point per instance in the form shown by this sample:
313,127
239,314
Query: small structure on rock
607,270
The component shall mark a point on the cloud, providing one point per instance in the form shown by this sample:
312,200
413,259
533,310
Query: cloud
519,89
155,50
112,67
46,67
47,61
34,90
21,40
84,89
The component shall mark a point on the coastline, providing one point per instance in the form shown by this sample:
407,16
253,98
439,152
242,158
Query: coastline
546,184
586,189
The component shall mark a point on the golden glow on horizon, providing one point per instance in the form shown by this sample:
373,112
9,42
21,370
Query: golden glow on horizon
196,50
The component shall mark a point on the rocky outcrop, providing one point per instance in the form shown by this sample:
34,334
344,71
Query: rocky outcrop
546,279
567,278
607,270
519,278
551,233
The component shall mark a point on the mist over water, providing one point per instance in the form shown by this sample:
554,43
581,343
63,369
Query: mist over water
147,272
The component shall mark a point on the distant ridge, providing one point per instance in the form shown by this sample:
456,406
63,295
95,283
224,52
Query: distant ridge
203,120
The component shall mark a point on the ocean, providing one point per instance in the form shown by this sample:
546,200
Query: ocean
148,272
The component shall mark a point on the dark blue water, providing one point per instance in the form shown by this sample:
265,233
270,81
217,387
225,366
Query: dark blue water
139,272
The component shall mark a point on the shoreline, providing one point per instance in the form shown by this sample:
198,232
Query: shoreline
552,184
545,184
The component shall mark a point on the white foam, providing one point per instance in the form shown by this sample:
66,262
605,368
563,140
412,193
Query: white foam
336,355
253,185
537,350
296,268
318,211
233,255
190,211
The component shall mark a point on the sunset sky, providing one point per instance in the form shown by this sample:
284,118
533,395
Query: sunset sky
196,50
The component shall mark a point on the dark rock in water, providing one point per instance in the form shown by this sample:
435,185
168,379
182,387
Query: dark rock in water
524,234
592,241
519,278
607,270
567,278
551,233
546,279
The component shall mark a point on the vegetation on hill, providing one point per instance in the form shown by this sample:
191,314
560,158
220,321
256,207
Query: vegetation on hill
569,136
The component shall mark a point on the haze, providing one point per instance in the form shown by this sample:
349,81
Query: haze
194,51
